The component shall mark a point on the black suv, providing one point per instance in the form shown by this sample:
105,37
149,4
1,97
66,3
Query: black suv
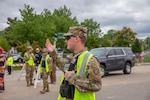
114,58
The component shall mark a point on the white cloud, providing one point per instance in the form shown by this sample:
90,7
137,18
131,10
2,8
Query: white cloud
111,14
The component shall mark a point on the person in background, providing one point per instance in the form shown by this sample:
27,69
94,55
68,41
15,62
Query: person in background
2,70
141,57
38,57
9,63
29,61
45,68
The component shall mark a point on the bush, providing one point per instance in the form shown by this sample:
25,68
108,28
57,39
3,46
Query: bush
4,43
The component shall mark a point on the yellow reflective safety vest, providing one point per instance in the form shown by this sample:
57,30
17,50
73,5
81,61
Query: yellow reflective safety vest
10,61
82,62
30,61
46,63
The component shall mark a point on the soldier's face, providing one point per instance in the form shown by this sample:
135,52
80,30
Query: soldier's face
70,41
44,53
30,50
37,50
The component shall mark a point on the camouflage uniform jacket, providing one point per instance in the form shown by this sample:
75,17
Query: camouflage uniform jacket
90,84
27,57
50,63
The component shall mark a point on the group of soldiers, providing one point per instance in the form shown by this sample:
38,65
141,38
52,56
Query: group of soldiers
82,78
43,63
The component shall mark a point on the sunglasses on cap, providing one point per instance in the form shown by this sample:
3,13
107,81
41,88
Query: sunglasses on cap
68,37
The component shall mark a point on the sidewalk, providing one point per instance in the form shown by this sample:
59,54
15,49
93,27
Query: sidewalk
17,90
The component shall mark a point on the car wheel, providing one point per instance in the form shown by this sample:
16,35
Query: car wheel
127,69
20,60
103,70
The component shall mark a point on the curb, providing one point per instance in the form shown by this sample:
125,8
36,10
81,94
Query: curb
140,64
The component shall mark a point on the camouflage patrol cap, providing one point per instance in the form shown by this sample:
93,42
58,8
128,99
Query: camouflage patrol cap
77,30
29,47
44,50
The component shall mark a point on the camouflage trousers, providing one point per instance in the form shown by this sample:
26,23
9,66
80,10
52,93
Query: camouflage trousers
53,74
29,73
45,79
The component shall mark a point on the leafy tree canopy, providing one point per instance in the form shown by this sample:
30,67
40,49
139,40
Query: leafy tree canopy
124,37
93,27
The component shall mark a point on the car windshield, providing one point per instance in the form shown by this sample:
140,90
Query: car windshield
98,52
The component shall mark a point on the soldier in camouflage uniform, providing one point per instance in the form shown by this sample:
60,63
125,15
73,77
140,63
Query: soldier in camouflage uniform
86,86
53,74
45,68
30,66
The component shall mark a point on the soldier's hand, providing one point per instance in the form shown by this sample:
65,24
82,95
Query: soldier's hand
49,46
68,74
30,54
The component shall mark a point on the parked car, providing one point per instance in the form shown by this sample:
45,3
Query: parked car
114,58
17,57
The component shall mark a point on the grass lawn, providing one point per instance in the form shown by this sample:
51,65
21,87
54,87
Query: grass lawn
146,58
17,68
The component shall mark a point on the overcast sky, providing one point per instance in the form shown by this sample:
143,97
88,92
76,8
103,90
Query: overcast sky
111,14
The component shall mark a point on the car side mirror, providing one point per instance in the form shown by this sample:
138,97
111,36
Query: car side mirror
107,55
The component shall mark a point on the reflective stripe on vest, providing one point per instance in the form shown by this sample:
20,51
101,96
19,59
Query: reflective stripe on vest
46,63
82,62
81,72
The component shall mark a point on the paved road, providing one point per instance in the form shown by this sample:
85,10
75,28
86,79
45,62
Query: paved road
116,86
135,86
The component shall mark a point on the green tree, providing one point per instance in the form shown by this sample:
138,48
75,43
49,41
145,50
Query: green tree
107,39
104,42
94,33
2,33
147,43
137,46
63,20
93,27
37,27
4,43
92,42
124,37
7,32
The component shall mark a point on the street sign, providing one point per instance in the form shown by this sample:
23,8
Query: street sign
59,36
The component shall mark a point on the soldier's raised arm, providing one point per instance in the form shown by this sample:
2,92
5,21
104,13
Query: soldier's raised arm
58,60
